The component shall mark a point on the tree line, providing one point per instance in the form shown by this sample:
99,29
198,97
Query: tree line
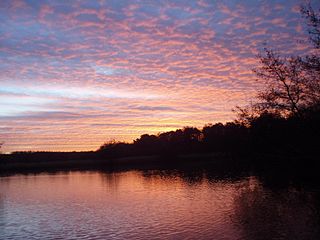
284,117
266,133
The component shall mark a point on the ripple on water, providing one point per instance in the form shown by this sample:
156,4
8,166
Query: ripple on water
153,205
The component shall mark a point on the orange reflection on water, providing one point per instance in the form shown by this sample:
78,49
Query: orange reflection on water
146,205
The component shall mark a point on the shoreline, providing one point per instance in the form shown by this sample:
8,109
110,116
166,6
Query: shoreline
265,165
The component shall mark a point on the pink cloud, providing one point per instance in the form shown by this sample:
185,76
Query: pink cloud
196,56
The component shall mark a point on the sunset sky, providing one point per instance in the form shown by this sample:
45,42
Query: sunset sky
74,74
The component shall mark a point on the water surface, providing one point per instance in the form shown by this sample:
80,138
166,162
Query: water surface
154,205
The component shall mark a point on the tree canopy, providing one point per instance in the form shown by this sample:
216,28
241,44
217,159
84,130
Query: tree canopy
291,85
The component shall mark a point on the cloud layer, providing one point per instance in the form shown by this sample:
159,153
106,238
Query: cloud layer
74,74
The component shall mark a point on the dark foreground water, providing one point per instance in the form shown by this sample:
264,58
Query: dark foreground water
154,205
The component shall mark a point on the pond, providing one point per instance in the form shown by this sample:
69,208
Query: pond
154,205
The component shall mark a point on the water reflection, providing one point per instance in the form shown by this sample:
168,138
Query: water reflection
265,213
2,219
167,204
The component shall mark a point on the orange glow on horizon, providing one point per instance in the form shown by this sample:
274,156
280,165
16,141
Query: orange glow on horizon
75,75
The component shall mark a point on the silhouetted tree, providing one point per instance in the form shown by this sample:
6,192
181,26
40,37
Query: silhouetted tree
312,61
285,118
229,137
115,149
313,21
146,144
291,84
285,89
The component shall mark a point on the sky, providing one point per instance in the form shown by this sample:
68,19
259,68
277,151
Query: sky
76,74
